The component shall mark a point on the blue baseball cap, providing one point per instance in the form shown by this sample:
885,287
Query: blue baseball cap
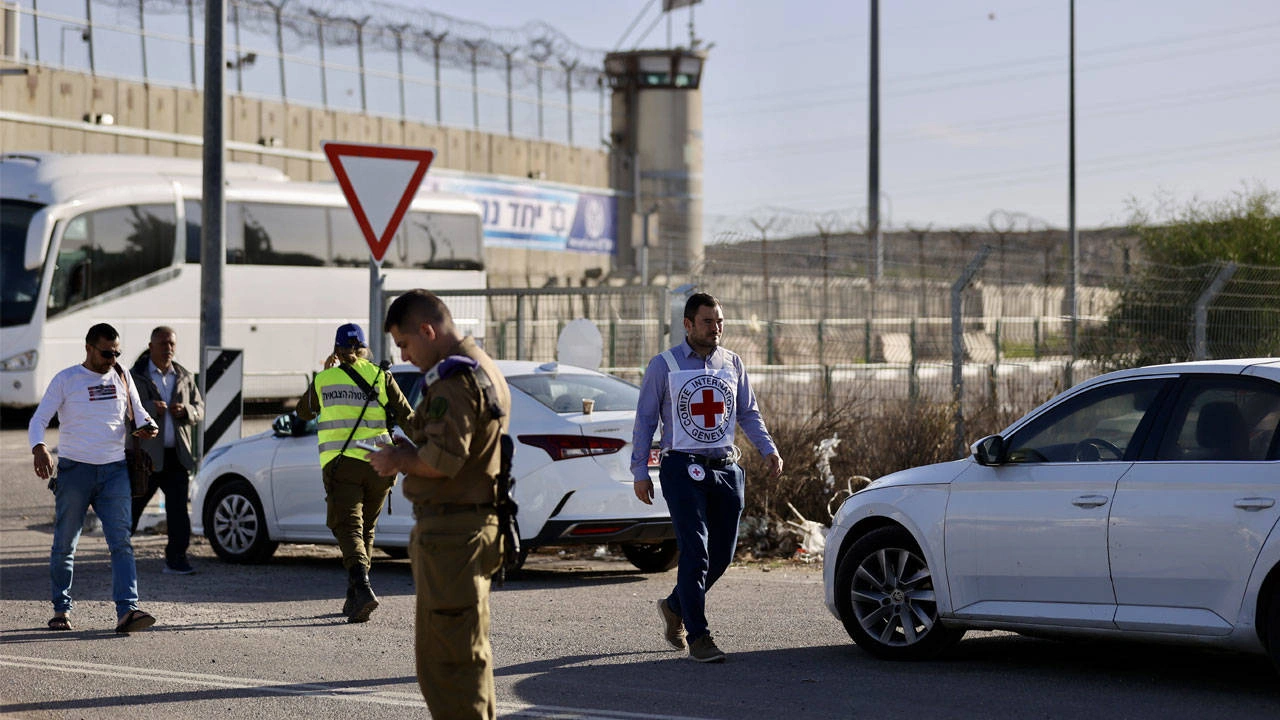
349,335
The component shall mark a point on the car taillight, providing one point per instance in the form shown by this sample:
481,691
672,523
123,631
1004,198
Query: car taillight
567,447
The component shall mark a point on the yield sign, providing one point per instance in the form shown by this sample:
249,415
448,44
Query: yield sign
379,182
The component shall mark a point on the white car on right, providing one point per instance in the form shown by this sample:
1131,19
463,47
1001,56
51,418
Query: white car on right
1140,504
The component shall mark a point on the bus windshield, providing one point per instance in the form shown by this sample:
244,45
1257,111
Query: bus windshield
19,287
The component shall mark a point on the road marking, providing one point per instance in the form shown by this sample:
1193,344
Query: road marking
317,690
382,697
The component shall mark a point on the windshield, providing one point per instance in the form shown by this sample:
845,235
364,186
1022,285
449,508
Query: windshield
564,392
19,287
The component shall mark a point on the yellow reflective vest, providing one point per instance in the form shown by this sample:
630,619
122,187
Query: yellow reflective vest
341,401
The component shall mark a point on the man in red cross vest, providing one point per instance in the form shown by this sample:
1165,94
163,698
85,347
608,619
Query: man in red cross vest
700,392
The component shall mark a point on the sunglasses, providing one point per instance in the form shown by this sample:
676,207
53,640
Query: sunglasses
108,354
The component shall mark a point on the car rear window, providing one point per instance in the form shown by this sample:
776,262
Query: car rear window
564,393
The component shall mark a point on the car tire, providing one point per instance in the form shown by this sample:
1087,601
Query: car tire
1273,628
652,557
235,524
885,598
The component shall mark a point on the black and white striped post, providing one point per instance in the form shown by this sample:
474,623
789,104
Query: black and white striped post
221,384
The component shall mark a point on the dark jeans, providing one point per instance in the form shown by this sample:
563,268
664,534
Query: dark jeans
705,515
172,480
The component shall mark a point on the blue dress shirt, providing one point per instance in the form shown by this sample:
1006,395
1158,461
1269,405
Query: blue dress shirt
655,404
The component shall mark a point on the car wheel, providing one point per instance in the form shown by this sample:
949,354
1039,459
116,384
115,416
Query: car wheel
652,557
1273,628
236,525
885,598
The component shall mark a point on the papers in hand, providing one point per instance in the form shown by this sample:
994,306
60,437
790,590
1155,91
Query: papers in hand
397,436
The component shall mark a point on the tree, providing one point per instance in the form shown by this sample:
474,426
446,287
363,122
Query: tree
1184,249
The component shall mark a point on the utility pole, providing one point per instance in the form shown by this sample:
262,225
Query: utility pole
873,150
1073,280
213,205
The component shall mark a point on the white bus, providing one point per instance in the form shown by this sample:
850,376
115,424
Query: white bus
116,238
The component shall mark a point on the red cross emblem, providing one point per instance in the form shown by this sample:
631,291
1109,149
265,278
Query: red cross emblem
708,408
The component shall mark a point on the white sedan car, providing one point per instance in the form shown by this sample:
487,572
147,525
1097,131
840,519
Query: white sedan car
572,472
1140,504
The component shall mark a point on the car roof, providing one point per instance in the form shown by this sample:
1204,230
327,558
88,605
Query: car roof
1266,367
511,368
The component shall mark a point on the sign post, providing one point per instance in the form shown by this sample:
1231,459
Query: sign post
379,182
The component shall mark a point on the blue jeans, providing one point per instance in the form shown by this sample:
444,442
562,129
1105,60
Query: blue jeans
105,487
705,515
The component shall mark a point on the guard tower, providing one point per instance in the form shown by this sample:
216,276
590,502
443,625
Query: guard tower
655,156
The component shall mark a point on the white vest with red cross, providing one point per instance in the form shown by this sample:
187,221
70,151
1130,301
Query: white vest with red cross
703,403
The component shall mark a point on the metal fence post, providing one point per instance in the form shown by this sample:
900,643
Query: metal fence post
866,340
1200,331
957,343
999,347
913,377
520,321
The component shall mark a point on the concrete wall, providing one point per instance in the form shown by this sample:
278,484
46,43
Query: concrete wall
73,97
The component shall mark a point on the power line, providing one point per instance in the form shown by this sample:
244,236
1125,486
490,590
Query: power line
1053,171
845,93
1247,90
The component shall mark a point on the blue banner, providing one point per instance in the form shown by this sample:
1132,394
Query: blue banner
538,217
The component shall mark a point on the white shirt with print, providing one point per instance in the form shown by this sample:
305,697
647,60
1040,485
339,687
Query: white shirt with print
91,415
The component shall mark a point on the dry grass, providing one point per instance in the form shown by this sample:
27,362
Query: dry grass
875,440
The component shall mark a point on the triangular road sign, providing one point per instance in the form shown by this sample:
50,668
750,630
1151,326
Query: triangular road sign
379,182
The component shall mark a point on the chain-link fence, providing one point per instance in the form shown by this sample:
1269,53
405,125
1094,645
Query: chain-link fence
379,58
529,323
976,319
815,327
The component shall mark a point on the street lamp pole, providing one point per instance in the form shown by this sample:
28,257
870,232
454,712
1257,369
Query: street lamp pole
1073,282
873,149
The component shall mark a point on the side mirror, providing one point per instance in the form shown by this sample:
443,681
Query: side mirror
282,426
990,450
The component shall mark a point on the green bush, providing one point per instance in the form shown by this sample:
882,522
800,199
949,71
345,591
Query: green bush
1184,248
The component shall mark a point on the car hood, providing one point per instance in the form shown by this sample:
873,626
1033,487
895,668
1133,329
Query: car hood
215,453
936,474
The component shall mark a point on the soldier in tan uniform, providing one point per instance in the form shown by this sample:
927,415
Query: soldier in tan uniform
451,478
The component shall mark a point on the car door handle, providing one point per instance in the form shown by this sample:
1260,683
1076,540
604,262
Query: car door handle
1090,501
1254,504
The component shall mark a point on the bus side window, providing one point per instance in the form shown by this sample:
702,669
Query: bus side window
104,249
193,210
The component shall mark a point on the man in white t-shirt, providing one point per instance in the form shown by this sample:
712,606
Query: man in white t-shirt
89,400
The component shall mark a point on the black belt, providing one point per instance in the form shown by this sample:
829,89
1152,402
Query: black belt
703,460
435,509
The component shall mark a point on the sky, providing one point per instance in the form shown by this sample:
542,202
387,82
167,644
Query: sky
1176,100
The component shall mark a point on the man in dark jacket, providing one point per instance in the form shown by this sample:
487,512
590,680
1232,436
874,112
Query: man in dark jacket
169,391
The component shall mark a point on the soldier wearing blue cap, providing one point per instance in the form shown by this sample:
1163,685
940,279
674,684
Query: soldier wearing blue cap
355,401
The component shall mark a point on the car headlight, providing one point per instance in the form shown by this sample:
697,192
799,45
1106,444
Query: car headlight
21,361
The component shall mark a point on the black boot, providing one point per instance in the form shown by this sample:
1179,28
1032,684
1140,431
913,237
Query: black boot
351,600
364,602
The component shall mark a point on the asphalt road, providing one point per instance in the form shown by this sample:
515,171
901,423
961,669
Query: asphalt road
573,638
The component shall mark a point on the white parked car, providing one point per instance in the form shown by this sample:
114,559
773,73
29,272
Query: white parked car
572,472
1140,504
